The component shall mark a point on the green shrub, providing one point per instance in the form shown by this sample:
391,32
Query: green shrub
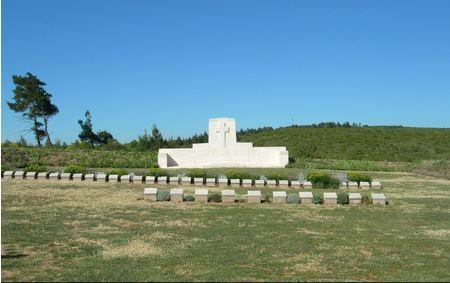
36,168
118,172
156,172
293,199
366,198
75,169
163,195
189,198
317,198
197,173
322,180
359,177
214,198
342,198
265,197
276,176
238,174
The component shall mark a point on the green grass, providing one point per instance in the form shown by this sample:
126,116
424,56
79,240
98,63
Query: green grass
54,231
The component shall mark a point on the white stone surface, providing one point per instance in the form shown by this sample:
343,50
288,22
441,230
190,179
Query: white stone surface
254,197
77,176
295,184
352,185
113,178
31,175
201,192
101,177
210,182
247,183
271,183
19,175
343,185
89,177
279,197
223,150
376,185
42,175
125,178
254,193
304,195
150,191
66,176
176,191
378,199
329,198
260,183
307,185
228,193
235,182
162,180
8,174
136,179
279,194
222,182
354,198
364,185
198,181
186,180
150,179
54,175
283,183
174,180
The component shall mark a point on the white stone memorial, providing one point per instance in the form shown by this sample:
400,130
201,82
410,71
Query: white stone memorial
305,197
364,185
379,199
295,184
136,179
375,185
19,175
223,182
201,195
211,182
271,183
101,177
162,180
198,181
174,180
235,182
150,194
247,183
42,175
89,177
307,185
77,177
66,176
150,179
352,185
254,197
223,150
125,178
228,196
54,176
114,178
279,197
260,183
31,175
176,195
283,184
330,198
354,198
186,181
8,174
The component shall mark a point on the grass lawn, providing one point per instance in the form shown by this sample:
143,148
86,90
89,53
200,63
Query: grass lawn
53,231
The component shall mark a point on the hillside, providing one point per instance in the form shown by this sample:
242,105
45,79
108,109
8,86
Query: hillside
358,143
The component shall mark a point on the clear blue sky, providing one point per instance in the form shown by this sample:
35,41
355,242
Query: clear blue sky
178,63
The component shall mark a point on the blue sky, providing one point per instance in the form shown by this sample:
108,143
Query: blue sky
178,63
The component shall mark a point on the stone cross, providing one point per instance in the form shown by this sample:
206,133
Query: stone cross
223,129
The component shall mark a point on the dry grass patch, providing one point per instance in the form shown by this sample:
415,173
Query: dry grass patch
134,248
442,234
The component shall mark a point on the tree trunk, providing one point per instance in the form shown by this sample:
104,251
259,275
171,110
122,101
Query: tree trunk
36,132
46,131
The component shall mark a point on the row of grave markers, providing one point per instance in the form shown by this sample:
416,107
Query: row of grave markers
229,196
186,180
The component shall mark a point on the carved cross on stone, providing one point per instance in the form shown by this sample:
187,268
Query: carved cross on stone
222,129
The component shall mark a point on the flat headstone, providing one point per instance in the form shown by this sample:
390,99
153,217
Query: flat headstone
31,175
228,196
352,185
66,176
296,184
329,198
101,177
247,183
271,183
89,177
125,178
42,175
162,180
283,184
8,174
379,199
114,178
150,194
223,182
19,175
253,196
54,176
176,195
376,185
173,180
198,181
364,185
77,177
211,182
137,179
305,197
354,198
260,183
235,182
307,185
150,179
343,185
279,197
186,180
201,195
